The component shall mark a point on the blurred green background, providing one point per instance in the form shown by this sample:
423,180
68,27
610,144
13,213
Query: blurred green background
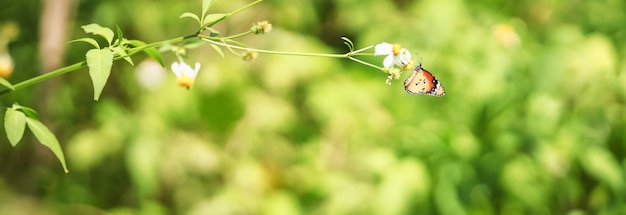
533,121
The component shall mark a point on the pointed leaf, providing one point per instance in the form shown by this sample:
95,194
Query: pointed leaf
135,43
213,18
155,54
120,52
47,138
120,35
218,49
87,40
96,29
6,83
236,42
214,33
166,47
190,15
32,113
14,124
206,4
99,62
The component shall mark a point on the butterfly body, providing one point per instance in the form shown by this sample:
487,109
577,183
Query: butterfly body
423,82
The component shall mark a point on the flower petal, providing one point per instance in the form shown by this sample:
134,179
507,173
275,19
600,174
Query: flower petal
388,62
383,49
403,58
193,73
176,69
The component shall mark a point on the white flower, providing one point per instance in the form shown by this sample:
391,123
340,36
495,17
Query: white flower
185,74
150,74
395,54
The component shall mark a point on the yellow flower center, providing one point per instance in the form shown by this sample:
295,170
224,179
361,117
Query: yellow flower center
396,49
185,81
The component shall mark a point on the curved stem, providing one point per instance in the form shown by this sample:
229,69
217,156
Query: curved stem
236,35
211,40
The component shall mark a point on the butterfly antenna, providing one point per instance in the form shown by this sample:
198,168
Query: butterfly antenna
420,59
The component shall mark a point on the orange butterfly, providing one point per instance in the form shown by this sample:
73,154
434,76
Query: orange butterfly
423,82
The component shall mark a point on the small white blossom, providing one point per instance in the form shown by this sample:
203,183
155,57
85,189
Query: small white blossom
185,74
395,54
150,74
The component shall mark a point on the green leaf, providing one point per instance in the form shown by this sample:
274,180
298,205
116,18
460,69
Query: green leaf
6,83
121,52
213,18
218,49
96,29
46,138
87,40
155,54
193,43
14,124
206,4
32,113
136,43
99,62
190,15
214,33
152,52
602,164
236,42
120,36
166,47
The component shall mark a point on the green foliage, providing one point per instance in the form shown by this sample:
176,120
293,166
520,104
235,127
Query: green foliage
152,52
96,29
15,120
99,62
14,124
46,138
213,18
192,16
218,50
91,41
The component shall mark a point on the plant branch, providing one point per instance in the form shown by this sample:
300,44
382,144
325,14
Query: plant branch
83,64
211,40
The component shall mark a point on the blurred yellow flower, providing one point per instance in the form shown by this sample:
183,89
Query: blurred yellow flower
507,36
185,74
250,55
395,54
6,65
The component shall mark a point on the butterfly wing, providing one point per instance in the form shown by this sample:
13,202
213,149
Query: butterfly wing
423,82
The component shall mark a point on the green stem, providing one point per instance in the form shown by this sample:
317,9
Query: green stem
236,35
210,40
366,63
244,7
46,76
347,55
228,15
358,52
